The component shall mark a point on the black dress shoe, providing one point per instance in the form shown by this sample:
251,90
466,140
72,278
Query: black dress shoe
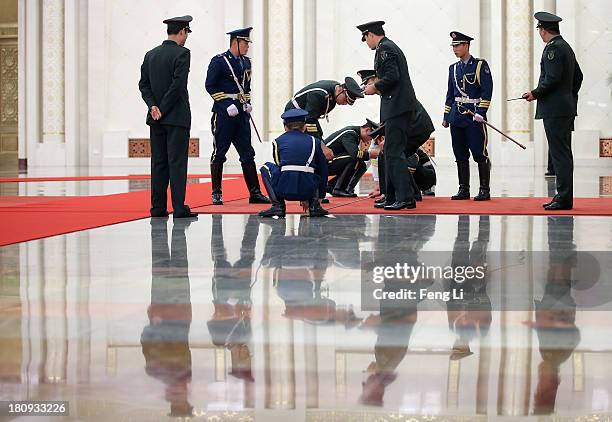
483,195
551,201
381,200
185,213
558,206
316,210
381,205
463,194
325,201
343,194
276,210
418,197
258,198
549,174
217,199
400,205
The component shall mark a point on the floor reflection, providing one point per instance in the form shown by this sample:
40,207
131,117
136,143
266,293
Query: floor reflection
261,319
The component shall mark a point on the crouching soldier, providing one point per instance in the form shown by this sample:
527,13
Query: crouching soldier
299,171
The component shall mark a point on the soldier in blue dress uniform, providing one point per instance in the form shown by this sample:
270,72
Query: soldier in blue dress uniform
470,87
299,171
228,81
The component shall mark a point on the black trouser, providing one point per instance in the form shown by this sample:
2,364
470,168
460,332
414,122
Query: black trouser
398,186
336,167
559,135
169,150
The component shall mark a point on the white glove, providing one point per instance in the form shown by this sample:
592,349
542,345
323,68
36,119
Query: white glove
247,107
478,118
232,110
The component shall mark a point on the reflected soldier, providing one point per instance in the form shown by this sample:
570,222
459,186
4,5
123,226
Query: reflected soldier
165,341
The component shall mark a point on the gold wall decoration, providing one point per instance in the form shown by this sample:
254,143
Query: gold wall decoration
141,147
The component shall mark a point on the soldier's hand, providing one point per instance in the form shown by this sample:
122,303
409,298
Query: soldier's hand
247,107
444,123
370,89
329,154
155,113
232,110
529,96
478,118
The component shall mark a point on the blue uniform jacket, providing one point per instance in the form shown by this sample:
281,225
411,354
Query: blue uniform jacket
470,80
220,82
295,148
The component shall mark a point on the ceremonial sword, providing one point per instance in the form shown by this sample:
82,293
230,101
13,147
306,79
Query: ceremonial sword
471,113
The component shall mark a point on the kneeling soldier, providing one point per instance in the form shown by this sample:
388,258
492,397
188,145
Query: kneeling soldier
350,146
299,171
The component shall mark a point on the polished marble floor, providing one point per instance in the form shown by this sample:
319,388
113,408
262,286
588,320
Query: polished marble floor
236,318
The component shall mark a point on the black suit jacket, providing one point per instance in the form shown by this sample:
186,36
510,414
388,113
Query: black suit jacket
396,91
163,83
560,81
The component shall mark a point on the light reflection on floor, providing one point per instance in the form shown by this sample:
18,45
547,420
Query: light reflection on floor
233,314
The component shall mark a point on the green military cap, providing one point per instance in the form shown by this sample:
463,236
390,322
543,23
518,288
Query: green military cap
353,90
366,75
547,20
369,26
371,124
379,131
179,22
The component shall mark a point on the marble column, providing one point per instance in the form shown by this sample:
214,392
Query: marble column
53,71
29,90
50,150
280,58
519,34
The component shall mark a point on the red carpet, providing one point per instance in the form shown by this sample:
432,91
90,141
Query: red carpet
86,178
437,205
38,217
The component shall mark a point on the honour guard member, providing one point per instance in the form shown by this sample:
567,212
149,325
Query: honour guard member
470,87
320,98
557,96
350,146
407,123
228,81
163,85
299,171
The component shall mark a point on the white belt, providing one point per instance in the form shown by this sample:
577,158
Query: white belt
303,169
465,100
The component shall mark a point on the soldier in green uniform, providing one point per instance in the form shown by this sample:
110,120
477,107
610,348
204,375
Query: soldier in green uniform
408,125
320,98
350,147
557,97
163,85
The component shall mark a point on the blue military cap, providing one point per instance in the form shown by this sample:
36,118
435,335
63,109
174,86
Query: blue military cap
241,34
179,22
459,38
547,20
294,115
370,26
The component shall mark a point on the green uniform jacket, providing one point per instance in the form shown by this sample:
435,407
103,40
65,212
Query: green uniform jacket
346,142
163,83
318,99
396,91
560,81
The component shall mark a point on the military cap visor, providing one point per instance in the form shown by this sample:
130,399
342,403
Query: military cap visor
179,22
241,34
352,89
371,124
369,26
547,20
294,115
459,38
379,131
366,75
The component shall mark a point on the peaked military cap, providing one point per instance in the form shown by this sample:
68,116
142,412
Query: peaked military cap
547,20
459,38
369,26
294,115
371,124
353,90
366,75
379,131
179,22
241,34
